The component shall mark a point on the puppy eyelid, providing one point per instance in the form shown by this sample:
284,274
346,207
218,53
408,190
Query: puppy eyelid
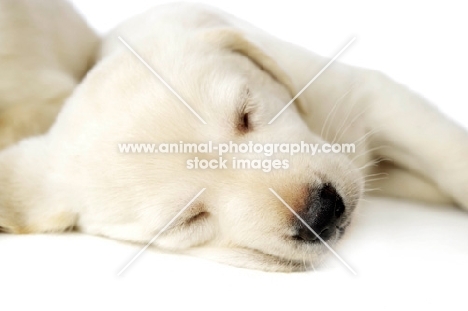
243,123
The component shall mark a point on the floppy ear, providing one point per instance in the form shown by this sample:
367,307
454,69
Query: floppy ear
235,41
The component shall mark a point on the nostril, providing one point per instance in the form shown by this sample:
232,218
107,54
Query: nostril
324,232
329,197
306,235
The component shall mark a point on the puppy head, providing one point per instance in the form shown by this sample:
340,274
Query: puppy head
246,217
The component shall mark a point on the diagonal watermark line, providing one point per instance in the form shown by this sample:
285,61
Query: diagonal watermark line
160,232
313,79
318,236
161,79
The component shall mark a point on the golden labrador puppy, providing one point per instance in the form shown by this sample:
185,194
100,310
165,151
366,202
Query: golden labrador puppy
215,79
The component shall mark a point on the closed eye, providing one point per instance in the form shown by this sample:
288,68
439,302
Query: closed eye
244,124
197,217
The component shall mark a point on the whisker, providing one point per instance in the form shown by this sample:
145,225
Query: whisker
365,178
372,189
333,111
359,141
312,265
375,179
373,162
344,121
373,175
352,121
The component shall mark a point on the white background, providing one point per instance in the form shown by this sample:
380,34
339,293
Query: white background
408,256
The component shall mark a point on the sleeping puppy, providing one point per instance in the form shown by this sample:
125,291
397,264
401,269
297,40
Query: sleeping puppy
236,78
46,49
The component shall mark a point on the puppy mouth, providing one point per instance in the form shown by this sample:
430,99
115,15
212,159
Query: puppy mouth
331,233
341,231
341,228
311,258
307,254
338,233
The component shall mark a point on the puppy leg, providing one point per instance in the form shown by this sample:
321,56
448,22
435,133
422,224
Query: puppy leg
420,139
402,183
29,200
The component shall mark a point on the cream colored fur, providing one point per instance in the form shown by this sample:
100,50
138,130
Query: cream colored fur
74,175
46,49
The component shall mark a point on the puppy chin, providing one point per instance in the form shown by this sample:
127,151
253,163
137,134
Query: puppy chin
249,258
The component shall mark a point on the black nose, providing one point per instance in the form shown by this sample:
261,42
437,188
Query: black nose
322,210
